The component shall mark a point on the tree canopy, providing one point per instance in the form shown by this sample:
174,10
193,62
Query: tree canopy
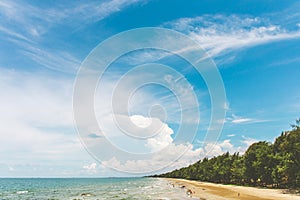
263,163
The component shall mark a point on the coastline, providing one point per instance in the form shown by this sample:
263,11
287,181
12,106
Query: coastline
213,191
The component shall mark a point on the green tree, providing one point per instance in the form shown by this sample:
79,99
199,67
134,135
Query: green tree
259,163
238,169
287,147
263,163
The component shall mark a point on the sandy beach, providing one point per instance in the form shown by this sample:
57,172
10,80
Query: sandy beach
211,191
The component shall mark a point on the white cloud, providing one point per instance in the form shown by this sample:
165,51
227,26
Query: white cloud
160,140
248,141
163,161
141,121
173,155
219,34
36,119
131,134
226,105
214,149
90,169
57,60
152,136
240,120
36,98
218,148
13,34
11,169
30,20
144,56
133,98
26,25
98,11
36,20
191,155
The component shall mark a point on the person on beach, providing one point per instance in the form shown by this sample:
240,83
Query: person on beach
189,192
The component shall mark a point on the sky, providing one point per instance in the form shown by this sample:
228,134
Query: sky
254,46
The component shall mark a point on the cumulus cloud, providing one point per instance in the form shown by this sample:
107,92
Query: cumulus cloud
160,149
210,149
186,154
141,121
160,140
42,110
173,155
220,147
130,133
248,141
90,169
171,158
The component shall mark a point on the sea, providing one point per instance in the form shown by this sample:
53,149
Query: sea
89,188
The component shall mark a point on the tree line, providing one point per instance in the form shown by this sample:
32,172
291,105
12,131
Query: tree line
263,164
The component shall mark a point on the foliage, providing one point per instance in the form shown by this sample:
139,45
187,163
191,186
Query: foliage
264,164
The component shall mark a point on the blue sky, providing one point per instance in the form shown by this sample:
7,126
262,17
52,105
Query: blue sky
255,46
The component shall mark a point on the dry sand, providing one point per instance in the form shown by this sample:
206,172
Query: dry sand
211,191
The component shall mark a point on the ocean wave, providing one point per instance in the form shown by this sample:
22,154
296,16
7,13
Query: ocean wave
22,192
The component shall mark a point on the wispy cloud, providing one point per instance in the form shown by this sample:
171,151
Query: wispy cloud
13,34
240,120
36,20
96,11
35,107
23,18
56,60
27,25
219,34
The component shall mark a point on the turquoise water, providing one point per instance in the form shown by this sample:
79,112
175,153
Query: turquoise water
89,188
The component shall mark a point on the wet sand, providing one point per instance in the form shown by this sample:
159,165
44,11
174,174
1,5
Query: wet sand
211,191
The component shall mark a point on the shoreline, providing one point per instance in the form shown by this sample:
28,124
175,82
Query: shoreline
213,191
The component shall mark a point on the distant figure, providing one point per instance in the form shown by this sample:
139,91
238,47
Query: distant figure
238,194
189,192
